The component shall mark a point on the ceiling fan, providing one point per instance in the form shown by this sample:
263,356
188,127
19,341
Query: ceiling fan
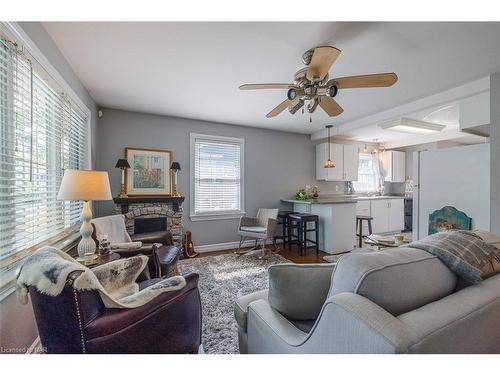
312,84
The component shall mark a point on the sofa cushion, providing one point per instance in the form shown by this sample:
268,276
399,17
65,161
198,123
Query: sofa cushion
298,291
241,307
398,280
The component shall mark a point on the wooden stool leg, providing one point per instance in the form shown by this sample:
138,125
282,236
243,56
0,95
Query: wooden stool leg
283,231
369,226
289,235
316,230
302,236
360,241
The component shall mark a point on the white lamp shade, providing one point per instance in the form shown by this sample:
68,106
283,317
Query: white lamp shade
84,186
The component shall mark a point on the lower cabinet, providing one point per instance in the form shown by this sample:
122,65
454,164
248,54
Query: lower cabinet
388,215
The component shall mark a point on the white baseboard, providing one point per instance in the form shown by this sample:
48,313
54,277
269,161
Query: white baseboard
227,246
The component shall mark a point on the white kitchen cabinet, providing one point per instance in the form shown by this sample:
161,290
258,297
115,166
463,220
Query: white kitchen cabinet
380,214
351,162
396,215
345,158
321,157
388,215
394,166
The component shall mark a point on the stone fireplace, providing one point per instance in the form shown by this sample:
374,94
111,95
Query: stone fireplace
168,211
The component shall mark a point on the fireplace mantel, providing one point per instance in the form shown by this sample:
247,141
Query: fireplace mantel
124,203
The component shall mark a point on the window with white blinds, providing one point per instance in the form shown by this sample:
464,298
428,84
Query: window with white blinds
217,175
42,134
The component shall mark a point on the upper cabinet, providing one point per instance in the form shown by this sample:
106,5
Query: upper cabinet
394,166
345,158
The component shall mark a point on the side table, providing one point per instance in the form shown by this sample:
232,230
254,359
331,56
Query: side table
103,259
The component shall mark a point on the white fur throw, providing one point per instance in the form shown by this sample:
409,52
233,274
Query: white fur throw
48,269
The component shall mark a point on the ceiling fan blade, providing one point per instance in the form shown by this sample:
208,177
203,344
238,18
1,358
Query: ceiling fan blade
368,80
262,86
281,107
330,106
321,62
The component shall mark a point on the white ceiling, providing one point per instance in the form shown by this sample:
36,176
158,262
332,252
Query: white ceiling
193,70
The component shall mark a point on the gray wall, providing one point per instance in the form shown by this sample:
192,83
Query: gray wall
18,328
276,163
495,152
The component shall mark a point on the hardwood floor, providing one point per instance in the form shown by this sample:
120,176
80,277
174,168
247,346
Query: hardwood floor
292,255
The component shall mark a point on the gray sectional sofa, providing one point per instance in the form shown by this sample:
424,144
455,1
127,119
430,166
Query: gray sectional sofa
402,300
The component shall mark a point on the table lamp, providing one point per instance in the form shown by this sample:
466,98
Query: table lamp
122,164
85,186
175,167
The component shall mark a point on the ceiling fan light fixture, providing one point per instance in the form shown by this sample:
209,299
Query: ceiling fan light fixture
407,125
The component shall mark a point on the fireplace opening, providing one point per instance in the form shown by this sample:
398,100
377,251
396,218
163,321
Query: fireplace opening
149,224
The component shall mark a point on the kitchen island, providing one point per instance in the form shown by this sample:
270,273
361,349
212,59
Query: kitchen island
337,217
337,221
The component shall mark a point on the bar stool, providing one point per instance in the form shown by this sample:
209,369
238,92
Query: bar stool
299,222
359,224
283,221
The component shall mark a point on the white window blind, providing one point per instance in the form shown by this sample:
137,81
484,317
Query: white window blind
42,134
217,175
368,174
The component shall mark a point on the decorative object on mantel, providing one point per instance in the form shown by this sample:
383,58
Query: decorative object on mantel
86,186
448,218
122,164
188,245
149,173
175,167
329,162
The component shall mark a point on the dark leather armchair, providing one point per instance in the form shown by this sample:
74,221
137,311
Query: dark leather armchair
158,246
77,321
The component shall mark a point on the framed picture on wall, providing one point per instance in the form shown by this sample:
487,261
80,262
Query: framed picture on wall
149,172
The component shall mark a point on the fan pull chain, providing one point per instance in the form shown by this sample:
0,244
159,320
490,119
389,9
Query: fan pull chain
310,119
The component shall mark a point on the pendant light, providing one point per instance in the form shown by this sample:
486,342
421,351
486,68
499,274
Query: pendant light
329,162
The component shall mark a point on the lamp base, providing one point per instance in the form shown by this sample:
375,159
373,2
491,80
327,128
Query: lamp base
86,244
122,192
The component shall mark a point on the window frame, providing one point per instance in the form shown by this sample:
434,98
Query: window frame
217,215
363,155
14,32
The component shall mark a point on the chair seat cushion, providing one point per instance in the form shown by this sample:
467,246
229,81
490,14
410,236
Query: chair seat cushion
255,229
304,325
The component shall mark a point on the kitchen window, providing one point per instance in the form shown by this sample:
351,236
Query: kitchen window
368,174
216,177
42,133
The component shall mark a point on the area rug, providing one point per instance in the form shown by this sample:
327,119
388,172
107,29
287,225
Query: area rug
224,278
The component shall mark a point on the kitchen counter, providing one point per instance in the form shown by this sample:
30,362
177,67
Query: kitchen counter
341,199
